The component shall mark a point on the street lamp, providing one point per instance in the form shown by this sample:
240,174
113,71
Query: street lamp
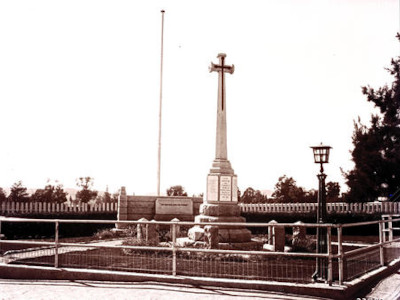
321,156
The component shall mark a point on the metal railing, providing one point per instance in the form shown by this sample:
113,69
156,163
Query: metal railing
345,261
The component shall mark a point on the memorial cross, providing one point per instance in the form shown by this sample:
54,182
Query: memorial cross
221,69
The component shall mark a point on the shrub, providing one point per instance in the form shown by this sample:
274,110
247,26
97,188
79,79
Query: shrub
304,245
106,234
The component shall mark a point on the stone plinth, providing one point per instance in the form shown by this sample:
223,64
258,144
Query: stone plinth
221,212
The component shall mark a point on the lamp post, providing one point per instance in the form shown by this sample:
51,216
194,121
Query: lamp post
321,156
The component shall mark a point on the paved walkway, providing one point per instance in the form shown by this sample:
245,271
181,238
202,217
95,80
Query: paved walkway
89,290
387,289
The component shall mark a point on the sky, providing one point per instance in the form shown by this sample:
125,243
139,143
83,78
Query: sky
80,86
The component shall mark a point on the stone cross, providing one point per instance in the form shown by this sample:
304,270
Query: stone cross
221,68
220,202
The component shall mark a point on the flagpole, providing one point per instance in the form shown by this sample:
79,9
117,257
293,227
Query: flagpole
160,109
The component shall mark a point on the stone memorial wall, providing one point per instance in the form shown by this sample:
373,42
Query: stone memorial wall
162,208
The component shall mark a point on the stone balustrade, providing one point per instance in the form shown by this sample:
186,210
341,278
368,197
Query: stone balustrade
339,207
43,207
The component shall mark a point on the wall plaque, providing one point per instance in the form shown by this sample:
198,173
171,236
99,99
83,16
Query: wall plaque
212,188
225,192
174,207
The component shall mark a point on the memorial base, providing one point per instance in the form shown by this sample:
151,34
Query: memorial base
221,213
221,206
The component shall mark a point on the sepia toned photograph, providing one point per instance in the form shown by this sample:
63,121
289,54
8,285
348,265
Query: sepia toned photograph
200,149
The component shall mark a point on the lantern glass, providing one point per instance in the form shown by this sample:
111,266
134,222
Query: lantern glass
321,154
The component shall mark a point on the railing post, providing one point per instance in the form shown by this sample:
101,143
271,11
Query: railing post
340,253
381,254
56,245
173,249
390,227
329,242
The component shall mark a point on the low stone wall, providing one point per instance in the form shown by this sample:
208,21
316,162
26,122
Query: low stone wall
136,207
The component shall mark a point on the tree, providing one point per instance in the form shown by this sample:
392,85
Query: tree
115,197
86,193
106,197
3,196
252,196
50,194
59,195
18,193
332,191
310,196
176,190
287,191
376,152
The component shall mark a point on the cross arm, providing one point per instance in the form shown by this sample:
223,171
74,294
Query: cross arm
218,68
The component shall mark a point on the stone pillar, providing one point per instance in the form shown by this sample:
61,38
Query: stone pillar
177,227
211,237
152,233
299,231
141,230
299,235
271,232
122,208
277,233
